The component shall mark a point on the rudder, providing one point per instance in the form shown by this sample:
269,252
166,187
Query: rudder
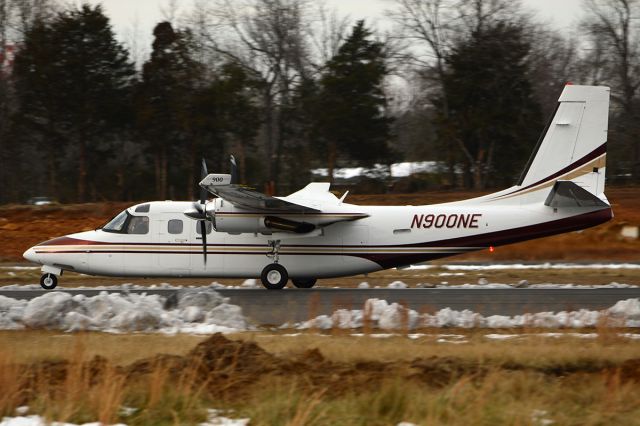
573,146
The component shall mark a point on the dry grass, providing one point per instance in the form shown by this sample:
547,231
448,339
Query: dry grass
323,380
120,349
527,351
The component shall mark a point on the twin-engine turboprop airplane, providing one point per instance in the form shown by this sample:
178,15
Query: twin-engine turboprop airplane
312,234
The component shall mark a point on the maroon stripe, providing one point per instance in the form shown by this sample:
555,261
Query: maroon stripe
390,260
584,160
479,241
68,241
499,238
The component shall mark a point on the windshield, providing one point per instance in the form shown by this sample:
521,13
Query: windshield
117,223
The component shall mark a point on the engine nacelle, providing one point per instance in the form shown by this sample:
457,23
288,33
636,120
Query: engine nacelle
239,224
228,218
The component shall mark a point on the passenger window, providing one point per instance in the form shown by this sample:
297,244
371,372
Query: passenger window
138,225
208,227
175,226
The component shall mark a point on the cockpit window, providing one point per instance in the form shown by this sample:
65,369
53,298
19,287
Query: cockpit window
138,225
143,208
126,223
117,223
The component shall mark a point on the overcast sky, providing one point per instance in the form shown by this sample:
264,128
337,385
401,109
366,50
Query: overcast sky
133,20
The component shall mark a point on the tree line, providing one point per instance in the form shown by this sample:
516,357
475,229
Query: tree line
288,86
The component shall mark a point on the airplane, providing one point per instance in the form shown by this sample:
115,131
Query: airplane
313,234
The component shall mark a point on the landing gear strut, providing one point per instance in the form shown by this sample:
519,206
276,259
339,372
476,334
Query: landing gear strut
48,281
275,249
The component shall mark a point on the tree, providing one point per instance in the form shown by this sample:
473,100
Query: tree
164,97
431,28
492,114
614,35
270,40
73,83
350,117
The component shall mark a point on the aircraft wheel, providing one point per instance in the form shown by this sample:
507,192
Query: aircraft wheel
274,276
304,282
48,281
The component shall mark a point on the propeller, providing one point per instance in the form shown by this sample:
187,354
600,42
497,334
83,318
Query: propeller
201,207
234,170
199,211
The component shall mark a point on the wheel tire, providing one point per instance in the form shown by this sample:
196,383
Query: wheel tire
304,282
274,276
48,281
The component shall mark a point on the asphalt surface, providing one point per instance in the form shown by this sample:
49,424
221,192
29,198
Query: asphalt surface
266,307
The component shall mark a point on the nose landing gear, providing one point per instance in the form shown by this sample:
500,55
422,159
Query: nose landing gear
48,281
49,278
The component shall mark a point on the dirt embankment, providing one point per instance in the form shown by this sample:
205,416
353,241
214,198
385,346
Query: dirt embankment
228,368
24,226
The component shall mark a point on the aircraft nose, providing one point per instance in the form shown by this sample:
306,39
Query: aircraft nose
30,255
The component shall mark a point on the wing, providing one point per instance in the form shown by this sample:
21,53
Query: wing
245,197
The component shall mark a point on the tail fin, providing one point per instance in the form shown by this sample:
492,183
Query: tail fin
573,146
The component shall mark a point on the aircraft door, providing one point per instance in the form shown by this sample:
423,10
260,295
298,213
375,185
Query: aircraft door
173,251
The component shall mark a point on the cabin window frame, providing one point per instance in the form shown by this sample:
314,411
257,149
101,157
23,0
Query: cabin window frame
171,230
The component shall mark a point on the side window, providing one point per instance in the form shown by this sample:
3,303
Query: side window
175,226
143,208
208,227
138,225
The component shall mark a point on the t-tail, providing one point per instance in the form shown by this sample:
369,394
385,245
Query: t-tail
567,166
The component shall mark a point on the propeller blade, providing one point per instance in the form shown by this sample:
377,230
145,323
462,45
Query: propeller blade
234,170
203,231
203,174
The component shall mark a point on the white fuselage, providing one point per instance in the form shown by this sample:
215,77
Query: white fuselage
391,236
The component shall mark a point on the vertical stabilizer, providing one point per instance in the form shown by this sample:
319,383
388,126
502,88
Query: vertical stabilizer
573,146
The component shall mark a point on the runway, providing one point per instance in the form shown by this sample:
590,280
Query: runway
266,307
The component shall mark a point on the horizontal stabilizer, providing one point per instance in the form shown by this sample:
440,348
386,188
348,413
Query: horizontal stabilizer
566,193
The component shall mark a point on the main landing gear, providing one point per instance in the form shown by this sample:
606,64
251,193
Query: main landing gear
275,276
304,282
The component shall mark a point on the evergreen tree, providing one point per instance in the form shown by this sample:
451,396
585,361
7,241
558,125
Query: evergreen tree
165,98
493,119
73,84
224,120
350,116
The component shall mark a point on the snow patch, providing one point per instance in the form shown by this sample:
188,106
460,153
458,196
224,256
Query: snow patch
393,316
215,418
200,311
41,421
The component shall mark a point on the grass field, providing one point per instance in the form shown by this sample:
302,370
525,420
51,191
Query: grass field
315,379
